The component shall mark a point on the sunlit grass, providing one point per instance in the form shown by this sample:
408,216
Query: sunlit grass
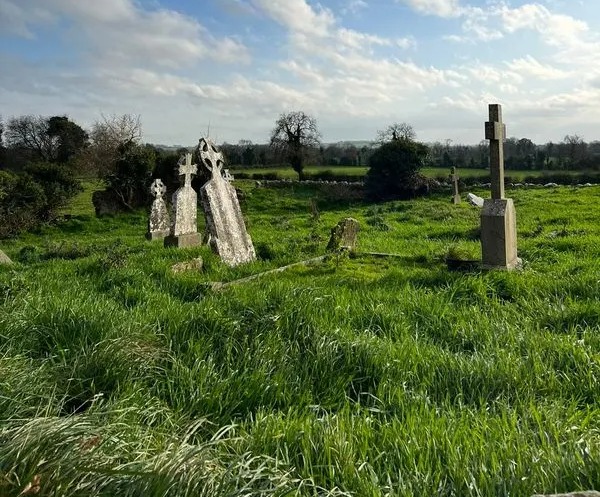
357,376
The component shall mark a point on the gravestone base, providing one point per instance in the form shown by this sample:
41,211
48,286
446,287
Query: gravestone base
157,235
499,235
456,199
183,241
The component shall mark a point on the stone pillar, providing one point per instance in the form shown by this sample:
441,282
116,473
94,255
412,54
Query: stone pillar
454,178
498,216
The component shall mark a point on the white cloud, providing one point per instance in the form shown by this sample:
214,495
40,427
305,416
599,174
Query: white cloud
355,6
118,31
441,8
528,66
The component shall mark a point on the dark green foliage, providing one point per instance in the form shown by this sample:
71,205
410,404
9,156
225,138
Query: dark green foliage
131,175
72,139
33,197
58,184
393,171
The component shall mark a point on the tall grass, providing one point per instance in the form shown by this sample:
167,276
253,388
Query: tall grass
358,376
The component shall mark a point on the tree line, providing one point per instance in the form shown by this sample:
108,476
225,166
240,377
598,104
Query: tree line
41,157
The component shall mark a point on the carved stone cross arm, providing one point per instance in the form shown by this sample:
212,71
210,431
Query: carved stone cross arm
211,157
495,131
187,169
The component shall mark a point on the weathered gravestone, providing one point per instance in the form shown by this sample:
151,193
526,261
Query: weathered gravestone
228,236
4,259
184,228
343,235
159,224
498,217
454,178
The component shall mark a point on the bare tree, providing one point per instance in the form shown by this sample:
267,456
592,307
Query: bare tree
396,131
294,136
107,137
30,134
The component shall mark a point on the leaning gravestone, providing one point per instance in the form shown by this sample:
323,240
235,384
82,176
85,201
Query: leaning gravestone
224,222
4,259
343,235
454,177
498,217
184,229
158,223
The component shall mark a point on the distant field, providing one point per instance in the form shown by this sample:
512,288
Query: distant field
432,172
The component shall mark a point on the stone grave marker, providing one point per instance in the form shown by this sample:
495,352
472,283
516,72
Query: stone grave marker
454,177
228,236
184,228
159,224
344,235
227,175
498,217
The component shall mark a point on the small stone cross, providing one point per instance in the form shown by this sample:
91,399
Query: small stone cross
187,169
454,177
211,157
158,188
495,131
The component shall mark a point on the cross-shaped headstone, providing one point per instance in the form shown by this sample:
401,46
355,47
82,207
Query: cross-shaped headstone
158,188
187,169
495,131
211,157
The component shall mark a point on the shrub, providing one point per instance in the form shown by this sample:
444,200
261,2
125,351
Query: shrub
393,171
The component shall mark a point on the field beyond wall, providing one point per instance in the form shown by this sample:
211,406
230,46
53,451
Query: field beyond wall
357,376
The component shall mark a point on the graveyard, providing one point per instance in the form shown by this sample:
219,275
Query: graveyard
141,362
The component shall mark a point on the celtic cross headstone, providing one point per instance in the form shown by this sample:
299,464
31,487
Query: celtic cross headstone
158,222
228,236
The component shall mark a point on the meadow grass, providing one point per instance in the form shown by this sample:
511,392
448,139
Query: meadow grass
439,173
357,376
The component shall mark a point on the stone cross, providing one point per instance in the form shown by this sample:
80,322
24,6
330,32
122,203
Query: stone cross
498,216
454,177
158,222
187,170
211,157
495,131
224,220
184,230
158,188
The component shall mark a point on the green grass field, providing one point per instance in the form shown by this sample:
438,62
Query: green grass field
359,172
357,376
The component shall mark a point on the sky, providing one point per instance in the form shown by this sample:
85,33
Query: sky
229,68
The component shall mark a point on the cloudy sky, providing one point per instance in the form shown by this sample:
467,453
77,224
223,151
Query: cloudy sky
356,65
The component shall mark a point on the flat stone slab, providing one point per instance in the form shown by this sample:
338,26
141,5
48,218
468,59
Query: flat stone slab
4,259
584,493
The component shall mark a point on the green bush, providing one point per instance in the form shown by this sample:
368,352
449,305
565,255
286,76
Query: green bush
393,171
33,197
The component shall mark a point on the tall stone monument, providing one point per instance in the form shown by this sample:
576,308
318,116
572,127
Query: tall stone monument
184,228
454,178
224,221
159,224
498,217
